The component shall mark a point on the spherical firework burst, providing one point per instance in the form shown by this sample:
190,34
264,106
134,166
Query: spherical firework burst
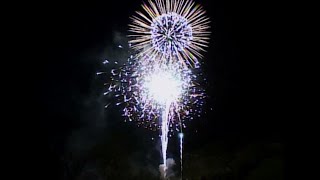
171,30
144,89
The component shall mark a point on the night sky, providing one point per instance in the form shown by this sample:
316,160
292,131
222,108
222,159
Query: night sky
72,135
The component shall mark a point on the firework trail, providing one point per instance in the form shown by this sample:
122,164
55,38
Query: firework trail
181,156
164,135
170,30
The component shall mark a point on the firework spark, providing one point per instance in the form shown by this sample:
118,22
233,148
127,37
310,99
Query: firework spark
170,30
144,88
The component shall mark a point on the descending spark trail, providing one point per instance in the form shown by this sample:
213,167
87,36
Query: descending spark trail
166,88
164,135
181,156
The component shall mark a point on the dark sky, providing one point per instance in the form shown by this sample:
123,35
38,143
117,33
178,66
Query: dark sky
70,40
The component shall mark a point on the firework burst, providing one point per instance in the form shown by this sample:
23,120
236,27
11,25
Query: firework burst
145,89
170,30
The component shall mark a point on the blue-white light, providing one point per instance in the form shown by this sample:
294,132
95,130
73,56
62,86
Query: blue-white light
180,135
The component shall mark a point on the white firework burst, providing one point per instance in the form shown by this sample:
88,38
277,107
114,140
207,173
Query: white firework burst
170,30
144,88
